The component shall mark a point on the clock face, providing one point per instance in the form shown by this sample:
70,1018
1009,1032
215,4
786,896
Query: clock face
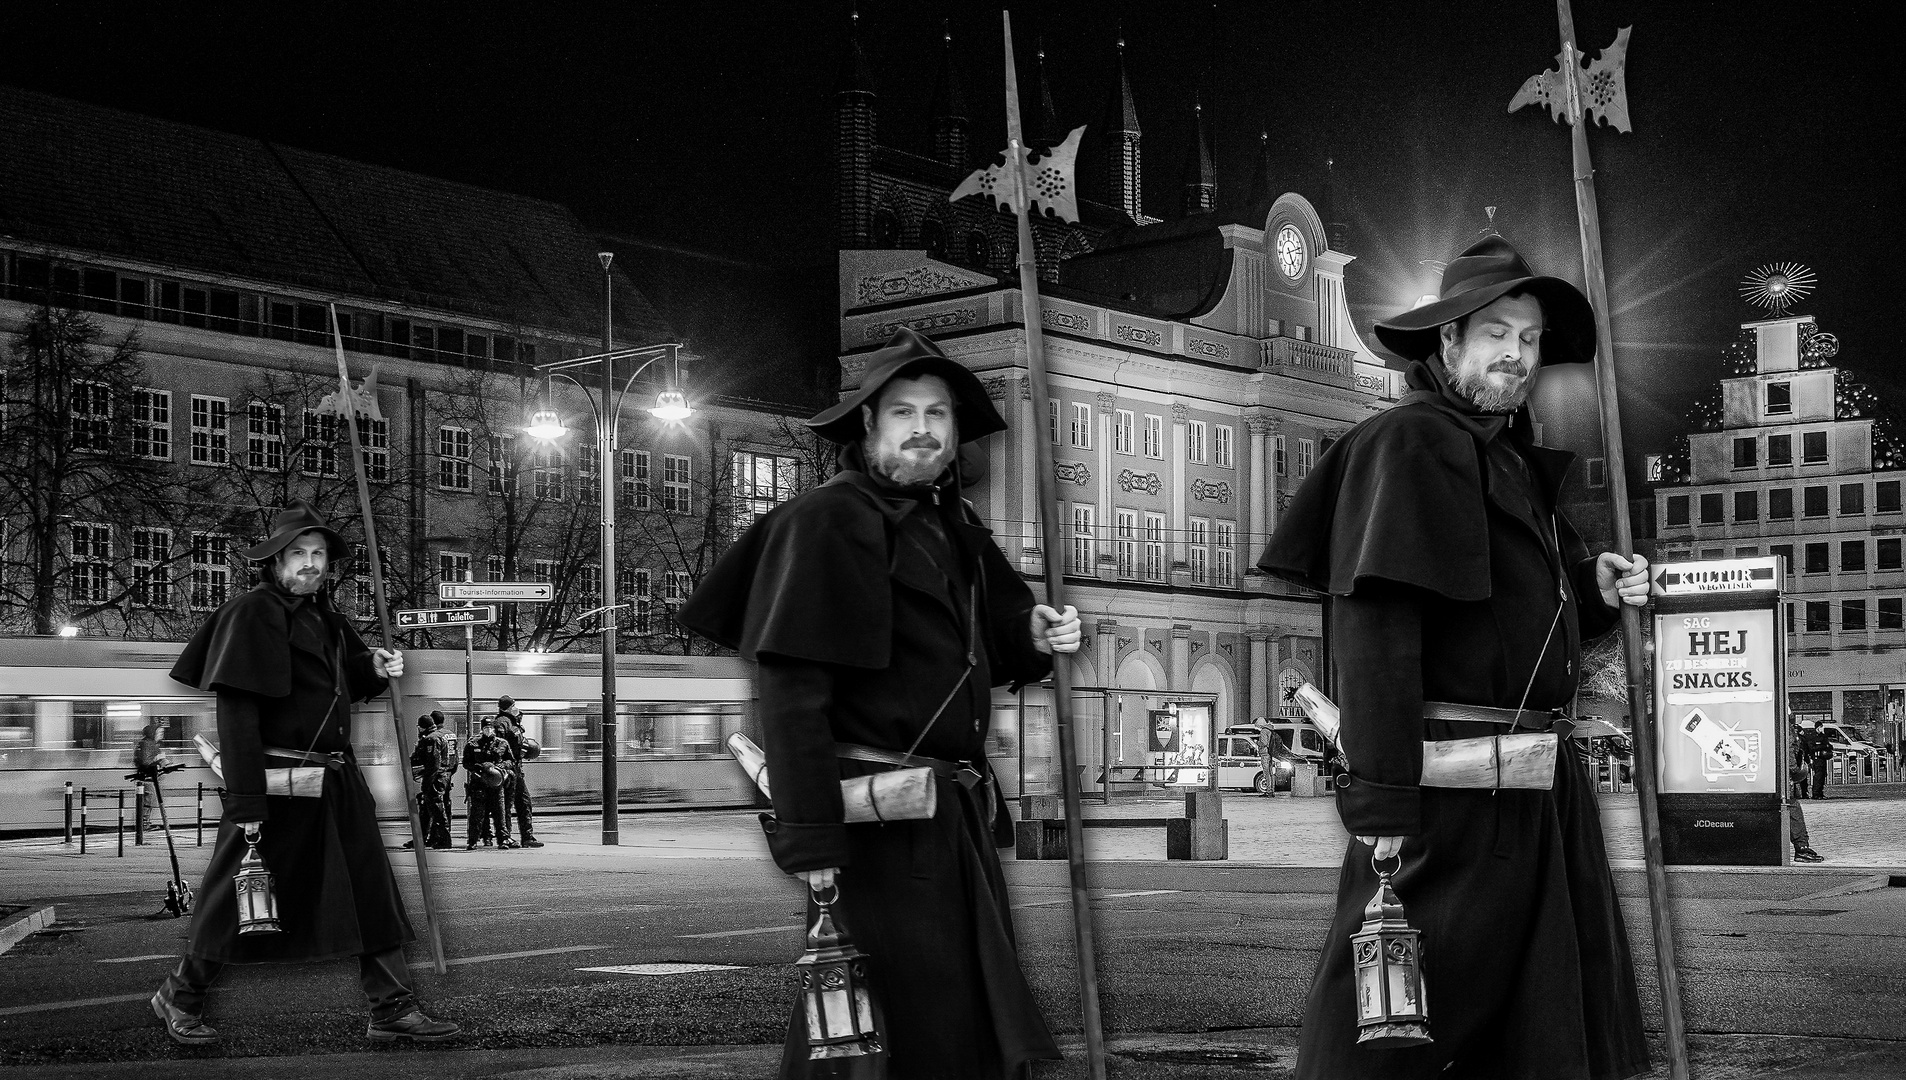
1290,252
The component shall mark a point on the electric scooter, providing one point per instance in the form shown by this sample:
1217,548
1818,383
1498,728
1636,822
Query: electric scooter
178,895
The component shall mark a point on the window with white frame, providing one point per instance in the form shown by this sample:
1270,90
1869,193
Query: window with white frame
496,567
1197,549
546,473
1082,549
1224,559
677,473
635,478
502,463
588,586
1124,429
1154,549
151,581
1154,436
762,482
264,436
453,565
1280,463
152,423
1306,456
375,436
211,569
1222,436
589,472
318,451
92,552
91,406
1126,538
676,587
1081,429
453,458
1195,442
211,431
633,583
1052,420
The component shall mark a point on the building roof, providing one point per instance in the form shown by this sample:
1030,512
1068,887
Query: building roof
120,185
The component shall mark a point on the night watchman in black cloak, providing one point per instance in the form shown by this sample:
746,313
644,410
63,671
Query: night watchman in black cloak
286,668
881,614
1459,600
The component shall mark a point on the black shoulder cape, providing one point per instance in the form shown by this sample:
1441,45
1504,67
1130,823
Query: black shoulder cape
244,645
809,581
1401,499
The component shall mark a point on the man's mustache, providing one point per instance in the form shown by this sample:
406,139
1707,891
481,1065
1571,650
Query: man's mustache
921,442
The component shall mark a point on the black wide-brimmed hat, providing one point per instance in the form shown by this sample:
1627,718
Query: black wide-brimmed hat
292,522
1489,270
910,353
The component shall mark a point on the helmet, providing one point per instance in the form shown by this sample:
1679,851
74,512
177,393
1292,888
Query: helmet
531,748
491,774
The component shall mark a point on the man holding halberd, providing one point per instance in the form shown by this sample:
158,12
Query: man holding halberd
1459,599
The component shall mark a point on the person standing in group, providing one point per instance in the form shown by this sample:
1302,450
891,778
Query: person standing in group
1816,751
881,613
446,779
427,765
286,667
486,771
509,727
1459,598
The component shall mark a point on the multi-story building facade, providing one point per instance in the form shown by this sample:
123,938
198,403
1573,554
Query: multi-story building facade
1199,368
1787,475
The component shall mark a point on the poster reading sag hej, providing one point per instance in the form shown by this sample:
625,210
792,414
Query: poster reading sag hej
1715,685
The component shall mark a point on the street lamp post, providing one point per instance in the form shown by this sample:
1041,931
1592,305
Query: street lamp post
670,405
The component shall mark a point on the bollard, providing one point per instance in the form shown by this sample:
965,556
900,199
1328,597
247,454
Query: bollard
82,821
200,823
122,822
1202,833
69,813
139,816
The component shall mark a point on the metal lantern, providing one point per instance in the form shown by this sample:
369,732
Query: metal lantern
1388,955
842,1020
257,896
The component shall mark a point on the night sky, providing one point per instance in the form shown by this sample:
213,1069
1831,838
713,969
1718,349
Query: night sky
1763,132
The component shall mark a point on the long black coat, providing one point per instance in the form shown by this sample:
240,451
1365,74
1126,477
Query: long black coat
286,669
1452,578
858,606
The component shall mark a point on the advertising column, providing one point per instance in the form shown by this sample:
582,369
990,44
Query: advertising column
1719,698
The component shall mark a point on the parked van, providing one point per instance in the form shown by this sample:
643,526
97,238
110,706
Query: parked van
1846,740
1240,761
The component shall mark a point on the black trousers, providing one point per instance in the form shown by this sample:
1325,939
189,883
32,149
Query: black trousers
432,814
385,978
484,809
523,806
1818,769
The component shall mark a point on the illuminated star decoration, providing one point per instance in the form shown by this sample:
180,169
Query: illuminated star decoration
1049,177
363,400
1777,286
1603,91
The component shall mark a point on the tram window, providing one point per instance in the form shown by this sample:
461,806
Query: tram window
16,724
89,725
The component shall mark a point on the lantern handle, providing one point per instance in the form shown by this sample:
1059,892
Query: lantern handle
834,894
251,832
1386,875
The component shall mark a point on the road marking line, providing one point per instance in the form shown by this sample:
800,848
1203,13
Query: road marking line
49,1006
1101,896
135,959
520,955
661,969
745,933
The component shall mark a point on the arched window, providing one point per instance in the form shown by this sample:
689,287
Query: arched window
886,228
978,250
933,238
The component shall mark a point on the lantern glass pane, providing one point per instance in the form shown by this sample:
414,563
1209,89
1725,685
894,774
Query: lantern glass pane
1402,989
1370,993
863,1010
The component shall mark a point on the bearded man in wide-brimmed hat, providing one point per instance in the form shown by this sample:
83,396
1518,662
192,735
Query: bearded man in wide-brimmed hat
881,614
1459,601
286,668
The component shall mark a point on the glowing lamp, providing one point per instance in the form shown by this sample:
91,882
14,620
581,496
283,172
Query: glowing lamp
671,405
842,1020
69,630
257,896
546,425
1388,958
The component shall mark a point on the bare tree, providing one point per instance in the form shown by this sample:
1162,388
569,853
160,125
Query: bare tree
88,490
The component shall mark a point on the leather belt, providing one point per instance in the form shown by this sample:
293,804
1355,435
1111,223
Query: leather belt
1525,719
961,771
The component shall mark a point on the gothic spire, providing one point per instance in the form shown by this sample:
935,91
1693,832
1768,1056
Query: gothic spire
1201,179
952,122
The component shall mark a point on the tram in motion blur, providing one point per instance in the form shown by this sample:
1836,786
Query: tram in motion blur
72,709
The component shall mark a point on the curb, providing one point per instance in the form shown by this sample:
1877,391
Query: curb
26,923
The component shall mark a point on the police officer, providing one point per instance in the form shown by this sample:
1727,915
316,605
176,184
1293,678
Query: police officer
1815,750
485,763
516,798
446,753
427,765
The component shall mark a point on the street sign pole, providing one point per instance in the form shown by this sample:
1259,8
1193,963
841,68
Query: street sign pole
469,680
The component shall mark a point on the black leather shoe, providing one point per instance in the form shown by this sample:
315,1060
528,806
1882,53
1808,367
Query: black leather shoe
184,1028
506,845
413,1025
1807,854
532,842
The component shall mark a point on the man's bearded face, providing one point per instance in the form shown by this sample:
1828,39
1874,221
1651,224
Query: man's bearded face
1492,357
300,566
911,437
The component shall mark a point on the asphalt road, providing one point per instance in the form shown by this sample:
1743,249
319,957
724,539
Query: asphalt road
1203,967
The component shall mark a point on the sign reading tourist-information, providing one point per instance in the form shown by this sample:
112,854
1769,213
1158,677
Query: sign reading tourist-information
523,592
1731,575
447,616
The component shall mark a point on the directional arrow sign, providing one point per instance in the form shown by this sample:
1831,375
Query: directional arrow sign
1718,576
447,616
530,592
